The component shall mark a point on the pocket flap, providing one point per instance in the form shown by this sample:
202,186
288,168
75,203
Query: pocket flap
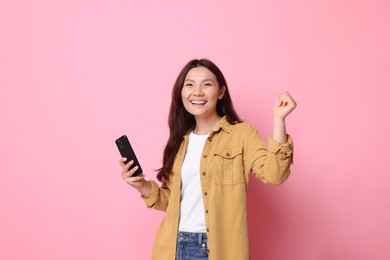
228,153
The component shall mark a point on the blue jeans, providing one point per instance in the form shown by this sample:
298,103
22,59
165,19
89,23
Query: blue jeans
192,246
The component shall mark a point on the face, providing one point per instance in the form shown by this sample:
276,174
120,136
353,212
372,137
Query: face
201,92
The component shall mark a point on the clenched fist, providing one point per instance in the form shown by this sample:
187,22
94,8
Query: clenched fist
284,105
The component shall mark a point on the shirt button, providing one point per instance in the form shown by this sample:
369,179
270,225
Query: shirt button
204,173
205,156
207,211
207,230
227,154
205,193
210,139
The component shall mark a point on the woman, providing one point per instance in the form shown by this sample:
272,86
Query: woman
206,163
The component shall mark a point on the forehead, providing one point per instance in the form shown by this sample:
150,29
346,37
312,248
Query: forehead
200,73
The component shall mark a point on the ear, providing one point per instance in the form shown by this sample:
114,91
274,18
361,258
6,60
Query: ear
221,92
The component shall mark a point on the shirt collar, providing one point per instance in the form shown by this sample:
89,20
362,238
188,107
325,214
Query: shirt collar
225,125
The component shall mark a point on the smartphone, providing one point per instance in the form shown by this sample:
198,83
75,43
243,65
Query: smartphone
127,151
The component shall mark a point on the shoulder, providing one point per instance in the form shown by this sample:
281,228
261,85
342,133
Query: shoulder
243,127
234,129
241,132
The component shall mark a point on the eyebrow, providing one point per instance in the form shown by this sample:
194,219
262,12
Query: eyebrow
208,79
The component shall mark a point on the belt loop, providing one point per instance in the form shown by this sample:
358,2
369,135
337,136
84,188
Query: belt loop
200,239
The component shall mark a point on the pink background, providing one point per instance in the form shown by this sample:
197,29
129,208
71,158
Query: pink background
75,75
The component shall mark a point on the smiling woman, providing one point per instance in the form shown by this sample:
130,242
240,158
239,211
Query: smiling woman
206,164
200,95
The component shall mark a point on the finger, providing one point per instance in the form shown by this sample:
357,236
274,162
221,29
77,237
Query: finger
128,166
133,170
290,101
282,102
135,179
126,170
286,99
122,162
130,173
284,96
281,98
278,102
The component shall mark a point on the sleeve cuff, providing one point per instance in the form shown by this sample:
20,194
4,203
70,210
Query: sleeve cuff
284,150
152,198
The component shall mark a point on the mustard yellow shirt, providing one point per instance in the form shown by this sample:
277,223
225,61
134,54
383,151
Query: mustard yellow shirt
229,155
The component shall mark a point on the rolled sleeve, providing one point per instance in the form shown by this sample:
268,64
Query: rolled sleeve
158,197
283,151
153,196
270,163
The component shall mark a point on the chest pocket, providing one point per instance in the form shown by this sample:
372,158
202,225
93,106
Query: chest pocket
228,166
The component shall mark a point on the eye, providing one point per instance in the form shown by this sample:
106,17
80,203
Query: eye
188,85
207,84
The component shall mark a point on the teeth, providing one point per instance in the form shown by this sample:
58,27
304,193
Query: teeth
198,102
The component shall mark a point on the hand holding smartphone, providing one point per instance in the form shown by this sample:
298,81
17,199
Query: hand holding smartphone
127,151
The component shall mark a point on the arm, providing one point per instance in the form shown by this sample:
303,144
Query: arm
158,197
153,195
272,164
284,105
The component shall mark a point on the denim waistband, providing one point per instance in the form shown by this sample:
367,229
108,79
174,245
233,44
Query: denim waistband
190,237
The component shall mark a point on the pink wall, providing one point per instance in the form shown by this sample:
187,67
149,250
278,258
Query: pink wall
74,75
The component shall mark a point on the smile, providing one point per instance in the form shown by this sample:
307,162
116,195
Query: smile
195,102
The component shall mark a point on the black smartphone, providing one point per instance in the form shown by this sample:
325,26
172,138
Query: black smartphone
127,151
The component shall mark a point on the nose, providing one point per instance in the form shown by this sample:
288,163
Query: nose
198,91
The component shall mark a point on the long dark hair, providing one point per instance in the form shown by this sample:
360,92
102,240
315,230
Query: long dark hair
180,121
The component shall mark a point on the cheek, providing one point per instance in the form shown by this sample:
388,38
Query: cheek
185,93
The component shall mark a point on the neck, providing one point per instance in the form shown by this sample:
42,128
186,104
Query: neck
206,125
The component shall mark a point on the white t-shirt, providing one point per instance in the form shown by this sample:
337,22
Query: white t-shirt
192,218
